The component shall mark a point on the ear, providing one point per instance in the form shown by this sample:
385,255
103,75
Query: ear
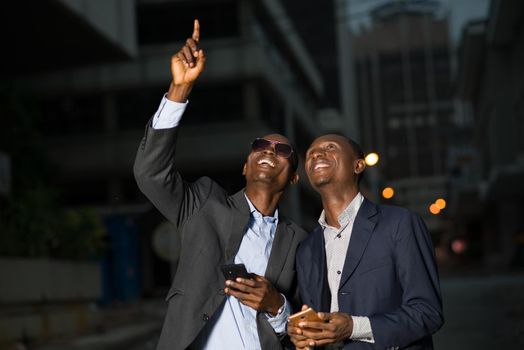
360,165
294,179
244,169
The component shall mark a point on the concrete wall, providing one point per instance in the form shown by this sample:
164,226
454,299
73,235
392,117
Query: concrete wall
113,18
42,280
41,298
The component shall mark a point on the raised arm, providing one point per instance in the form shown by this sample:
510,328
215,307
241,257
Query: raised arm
154,168
186,66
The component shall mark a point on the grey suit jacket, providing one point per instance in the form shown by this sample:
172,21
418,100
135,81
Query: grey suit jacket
211,224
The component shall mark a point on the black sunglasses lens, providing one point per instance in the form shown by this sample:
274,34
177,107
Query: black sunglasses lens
283,150
260,145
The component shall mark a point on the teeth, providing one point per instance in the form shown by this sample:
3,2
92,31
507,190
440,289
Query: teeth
320,166
266,161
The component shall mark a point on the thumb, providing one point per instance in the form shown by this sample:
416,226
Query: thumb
324,316
258,278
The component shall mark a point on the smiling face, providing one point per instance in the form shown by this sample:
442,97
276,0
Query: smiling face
331,159
265,166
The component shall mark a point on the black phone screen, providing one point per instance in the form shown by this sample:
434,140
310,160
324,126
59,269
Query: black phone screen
232,271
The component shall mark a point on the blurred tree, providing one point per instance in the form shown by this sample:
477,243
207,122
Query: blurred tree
32,223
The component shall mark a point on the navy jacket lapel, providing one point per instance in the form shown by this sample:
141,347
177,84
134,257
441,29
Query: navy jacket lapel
322,300
362,230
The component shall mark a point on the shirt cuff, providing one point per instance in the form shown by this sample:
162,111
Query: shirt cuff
279,321
168,114
362,330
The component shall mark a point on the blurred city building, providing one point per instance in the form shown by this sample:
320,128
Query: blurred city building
405,103
42,298
487,186
97,69
104,71
5,175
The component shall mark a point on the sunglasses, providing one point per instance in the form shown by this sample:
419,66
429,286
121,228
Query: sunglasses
281,149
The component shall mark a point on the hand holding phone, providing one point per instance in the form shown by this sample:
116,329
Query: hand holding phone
308,315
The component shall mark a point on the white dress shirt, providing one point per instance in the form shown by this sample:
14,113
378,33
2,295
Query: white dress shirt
336,245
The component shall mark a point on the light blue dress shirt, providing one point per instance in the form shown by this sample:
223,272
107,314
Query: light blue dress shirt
234,326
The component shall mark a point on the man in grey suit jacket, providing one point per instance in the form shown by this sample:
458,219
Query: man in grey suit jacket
369,268
205,311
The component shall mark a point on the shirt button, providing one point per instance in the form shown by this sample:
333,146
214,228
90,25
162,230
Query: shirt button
339,272
205,317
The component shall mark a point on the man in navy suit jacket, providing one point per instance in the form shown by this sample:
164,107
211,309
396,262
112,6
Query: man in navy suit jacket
369,270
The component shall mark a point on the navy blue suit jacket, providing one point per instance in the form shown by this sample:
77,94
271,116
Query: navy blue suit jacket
389,275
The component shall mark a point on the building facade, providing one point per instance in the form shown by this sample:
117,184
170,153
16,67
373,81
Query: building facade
405,102
487,183
260,78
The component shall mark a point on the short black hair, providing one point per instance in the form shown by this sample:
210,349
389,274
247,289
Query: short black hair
293,159
357,149
359,153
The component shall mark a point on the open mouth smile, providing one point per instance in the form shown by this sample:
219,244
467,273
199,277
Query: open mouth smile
266,161
320,165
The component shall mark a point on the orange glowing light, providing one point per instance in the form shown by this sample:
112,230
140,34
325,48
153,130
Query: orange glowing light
434,209
388,192
441,203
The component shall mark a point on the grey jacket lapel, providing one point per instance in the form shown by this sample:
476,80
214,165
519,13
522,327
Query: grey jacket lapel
362,230
239,221
280,249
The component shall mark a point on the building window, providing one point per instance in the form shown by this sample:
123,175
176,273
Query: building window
215,103
168,22
72,114
136,106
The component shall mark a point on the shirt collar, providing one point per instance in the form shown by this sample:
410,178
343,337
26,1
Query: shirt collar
347,214
253,210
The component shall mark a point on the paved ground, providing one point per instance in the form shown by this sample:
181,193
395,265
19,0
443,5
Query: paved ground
481,312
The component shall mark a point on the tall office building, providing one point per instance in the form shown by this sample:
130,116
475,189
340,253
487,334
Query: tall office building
405,101
487,184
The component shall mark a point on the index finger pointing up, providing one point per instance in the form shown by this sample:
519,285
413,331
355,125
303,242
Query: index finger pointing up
196,31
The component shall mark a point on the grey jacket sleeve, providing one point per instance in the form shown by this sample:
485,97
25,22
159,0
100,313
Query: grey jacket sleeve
157,177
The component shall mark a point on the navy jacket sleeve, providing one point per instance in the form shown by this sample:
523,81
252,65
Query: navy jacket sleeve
420,311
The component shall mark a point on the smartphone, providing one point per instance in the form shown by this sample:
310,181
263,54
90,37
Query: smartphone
232,271
309,315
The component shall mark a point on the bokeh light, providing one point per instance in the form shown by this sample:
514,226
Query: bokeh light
434,209
441,203
458,246
371,159
388,192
